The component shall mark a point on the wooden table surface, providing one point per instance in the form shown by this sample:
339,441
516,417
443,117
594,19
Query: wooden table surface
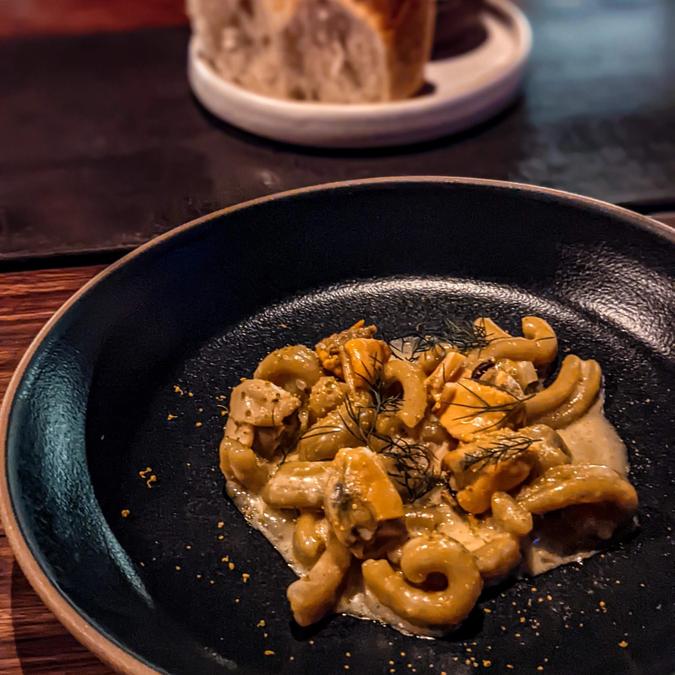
31,639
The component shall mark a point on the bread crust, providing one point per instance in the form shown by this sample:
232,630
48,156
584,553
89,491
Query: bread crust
401,35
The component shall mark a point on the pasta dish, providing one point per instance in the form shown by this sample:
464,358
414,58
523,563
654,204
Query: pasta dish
398,478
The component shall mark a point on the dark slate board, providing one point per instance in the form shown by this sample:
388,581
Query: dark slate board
102,145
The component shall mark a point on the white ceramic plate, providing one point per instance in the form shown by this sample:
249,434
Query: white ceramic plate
464,91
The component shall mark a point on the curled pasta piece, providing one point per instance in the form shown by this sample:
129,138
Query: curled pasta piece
363,360
309,537
448,370
429,359
582,398
261,403
244,433
328,350
411,378
497,557
296,368
421,557
239,462
540,344
491,329
338,429
313,596
557,392
361,501
510,515
326,395
432,431
297,485
549,450
523,372
572,484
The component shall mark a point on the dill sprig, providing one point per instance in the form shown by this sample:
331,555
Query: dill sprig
413,469
360,419
510,409
505,448
412,464
461,335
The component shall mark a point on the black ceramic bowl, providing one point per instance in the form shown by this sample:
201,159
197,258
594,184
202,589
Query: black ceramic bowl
124,384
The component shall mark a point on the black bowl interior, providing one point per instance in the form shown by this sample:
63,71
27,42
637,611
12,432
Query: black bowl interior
170,331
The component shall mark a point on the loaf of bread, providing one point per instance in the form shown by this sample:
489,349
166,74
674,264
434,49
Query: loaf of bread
338,51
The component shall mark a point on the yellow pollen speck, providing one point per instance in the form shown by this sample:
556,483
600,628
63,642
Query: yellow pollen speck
212,582
170,417
177,568
623,644
602,603
391,663
260,624
540,668
151,480
237,601
190,394
125,513
348,654
487,663
402,653
178,390
198,424
230,565
245,577
533,589
487,610
269,652
199,576
220,524
509,666
549,597
225,558
221,537
522,619
346,666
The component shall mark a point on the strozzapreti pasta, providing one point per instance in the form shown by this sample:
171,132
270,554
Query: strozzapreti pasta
399,478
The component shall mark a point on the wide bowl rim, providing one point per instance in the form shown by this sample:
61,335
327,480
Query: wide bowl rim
93,638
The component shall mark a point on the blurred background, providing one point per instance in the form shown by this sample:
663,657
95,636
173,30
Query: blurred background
103,146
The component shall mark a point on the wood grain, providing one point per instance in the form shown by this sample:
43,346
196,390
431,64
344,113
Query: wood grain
31,639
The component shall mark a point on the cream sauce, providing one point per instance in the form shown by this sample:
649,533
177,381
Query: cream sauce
591,439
